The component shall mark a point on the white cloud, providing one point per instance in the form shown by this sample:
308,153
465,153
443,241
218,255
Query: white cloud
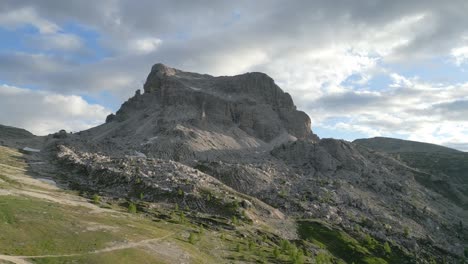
313,73
410,107
145,45
56,41
44,112
27,16
460,55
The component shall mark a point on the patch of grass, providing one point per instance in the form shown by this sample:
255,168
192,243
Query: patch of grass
131,255
340,244
37,227
12,158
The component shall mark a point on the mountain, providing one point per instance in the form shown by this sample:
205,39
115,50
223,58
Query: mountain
444,170
184,115
8,132
18,138
233,154
393,145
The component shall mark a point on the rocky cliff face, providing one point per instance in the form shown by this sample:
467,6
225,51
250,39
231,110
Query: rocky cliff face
251,102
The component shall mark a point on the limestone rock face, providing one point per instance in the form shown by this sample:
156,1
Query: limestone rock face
250,102
156,77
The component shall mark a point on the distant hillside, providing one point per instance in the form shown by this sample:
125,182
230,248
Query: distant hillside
444,169
393,145
8,132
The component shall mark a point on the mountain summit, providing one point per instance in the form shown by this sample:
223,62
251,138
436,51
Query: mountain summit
206,113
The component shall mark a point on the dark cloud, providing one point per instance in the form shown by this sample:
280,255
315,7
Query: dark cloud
348,101
199,35
455,110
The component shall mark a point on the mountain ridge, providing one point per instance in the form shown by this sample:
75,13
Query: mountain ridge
391,145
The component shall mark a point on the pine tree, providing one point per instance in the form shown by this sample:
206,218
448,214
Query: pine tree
132,208
192,238
387,248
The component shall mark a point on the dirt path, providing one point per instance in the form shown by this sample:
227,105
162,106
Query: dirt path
126,245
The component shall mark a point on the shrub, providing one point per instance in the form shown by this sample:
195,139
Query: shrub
387,248
251,244
406,231
297,256
132,208
142,196
180,192
285,245
235,205
283,194
323,258
234,220
262,257
96,199
276,253
182,218
371,243
192,238
238,247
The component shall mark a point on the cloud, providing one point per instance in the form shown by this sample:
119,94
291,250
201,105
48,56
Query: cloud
145,45
44,112
409,107
327,54
56,41
26,16
460,55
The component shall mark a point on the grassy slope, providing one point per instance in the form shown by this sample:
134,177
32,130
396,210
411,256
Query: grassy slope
358,248
34,227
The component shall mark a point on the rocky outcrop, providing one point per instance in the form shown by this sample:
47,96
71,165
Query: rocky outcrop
252,102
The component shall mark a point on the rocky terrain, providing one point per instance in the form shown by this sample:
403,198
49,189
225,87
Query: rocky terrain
234,149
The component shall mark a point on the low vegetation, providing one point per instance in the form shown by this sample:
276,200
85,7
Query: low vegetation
357,248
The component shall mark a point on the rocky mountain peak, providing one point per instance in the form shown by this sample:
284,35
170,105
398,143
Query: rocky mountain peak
162,69
158,73
248,107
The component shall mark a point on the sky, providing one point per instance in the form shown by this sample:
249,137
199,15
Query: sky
359,68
